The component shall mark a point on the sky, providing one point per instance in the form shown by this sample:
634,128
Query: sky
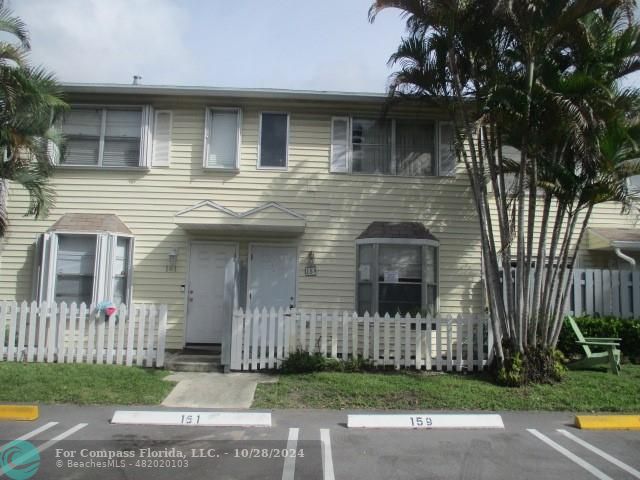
286,44
289,44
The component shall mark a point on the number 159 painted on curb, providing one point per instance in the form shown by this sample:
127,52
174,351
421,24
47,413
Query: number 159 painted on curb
421,422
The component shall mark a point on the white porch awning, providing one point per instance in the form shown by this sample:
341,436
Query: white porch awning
267,218
612,238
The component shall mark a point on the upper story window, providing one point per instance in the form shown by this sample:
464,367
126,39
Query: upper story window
222,138
274,133
106,137
633,184
110,136
392,147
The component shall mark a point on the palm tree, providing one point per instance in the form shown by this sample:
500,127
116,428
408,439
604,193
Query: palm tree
539,76
30,101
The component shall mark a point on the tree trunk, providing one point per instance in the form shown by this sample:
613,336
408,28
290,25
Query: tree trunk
540,269
558,321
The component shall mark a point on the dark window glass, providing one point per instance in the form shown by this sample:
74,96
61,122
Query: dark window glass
273,140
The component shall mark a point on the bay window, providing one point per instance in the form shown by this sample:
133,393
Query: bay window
83,267
397,275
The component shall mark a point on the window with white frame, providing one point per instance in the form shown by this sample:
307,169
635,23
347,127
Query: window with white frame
392,147
75,268
396,276
633,184
84,268
222,138
100,136
274,133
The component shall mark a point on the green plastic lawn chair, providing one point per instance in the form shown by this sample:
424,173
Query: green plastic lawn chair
610,356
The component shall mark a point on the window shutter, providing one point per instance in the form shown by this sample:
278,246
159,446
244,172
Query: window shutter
53,151
146,136
129,292
447,149
101,279
162,138
44,267
339,145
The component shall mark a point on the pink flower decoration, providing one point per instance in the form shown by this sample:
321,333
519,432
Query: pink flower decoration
110,310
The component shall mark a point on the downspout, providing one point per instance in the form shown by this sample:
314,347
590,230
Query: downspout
624,257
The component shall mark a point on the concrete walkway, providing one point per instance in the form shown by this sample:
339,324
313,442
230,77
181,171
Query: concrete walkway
214,390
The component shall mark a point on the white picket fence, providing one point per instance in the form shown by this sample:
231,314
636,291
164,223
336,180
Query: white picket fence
78,334
263,339
605,292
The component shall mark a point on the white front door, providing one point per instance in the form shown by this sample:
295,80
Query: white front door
209,272
272,277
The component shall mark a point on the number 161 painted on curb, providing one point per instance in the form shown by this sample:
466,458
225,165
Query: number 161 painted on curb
421,422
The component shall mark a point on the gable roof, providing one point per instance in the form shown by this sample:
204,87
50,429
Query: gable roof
268,217
91,222
407,230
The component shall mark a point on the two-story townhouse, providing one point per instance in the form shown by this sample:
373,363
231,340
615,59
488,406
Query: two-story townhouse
209,200
212,199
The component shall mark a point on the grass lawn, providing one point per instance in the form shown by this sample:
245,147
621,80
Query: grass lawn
82,384
582,391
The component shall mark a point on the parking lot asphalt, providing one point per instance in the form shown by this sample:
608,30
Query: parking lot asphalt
80,442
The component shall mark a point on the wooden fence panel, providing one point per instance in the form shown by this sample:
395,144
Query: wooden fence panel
402,342
78,334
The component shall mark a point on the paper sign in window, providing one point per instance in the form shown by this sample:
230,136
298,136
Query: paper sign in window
391,276
365,273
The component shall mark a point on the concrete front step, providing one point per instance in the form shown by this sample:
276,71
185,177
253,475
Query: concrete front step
193,363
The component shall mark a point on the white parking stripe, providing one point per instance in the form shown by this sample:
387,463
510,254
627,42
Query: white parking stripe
327,458
48,443
289,470
33,433
574,458
62,436
605,455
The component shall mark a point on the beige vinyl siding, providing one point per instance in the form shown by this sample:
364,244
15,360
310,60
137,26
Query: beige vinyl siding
337,208
604,215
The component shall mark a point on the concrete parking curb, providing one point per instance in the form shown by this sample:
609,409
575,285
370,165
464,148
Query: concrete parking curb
608,422
19,412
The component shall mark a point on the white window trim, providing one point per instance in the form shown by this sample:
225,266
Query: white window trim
398,241
286,156
142,164
207,127
436,153
52,259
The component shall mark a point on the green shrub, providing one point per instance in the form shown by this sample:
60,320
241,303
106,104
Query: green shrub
626,329
358,364
538,365
302,361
